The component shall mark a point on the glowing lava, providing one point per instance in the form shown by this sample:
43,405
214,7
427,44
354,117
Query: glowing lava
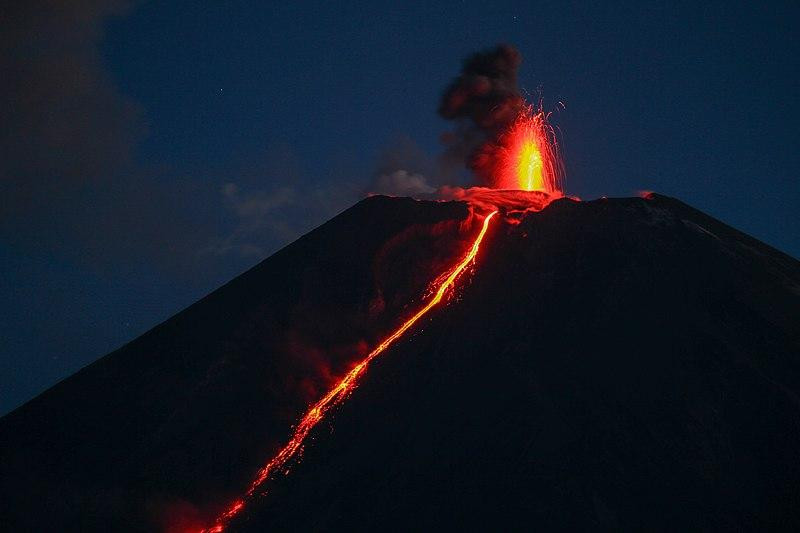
342,389
525,157
529,167
529,157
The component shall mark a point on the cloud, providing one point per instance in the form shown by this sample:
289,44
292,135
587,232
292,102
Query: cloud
272,200
65,126
69,176
402,183
256,205
258,220
405,169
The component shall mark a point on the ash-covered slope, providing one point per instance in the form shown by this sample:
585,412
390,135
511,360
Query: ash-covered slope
610,364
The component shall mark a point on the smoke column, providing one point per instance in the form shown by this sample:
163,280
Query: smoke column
503,139
485,100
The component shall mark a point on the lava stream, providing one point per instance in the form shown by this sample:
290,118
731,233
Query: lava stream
338,393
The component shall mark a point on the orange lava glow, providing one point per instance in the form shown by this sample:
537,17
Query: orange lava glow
342,389
526,157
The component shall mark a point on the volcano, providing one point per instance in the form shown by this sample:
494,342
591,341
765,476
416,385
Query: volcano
620,363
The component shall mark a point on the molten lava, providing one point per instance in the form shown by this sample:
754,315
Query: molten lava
529,159
529,167
525,157
342,389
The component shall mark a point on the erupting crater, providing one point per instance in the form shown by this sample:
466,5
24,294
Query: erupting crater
528,174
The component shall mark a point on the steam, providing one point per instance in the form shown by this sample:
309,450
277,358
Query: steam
484,100
402,183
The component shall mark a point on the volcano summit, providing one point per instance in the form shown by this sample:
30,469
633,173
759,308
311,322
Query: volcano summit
620,363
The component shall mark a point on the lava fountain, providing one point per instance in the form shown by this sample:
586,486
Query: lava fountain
525,157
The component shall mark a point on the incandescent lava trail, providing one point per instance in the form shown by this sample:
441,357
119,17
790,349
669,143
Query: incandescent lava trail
342,389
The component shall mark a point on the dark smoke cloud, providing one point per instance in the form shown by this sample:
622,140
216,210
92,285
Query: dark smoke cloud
484,100
69,179
64,124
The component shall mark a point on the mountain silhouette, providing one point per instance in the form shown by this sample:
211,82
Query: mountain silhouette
614,364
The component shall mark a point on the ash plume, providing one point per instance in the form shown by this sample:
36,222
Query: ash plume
484,100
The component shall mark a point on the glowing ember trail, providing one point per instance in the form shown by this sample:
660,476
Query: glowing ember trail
338,393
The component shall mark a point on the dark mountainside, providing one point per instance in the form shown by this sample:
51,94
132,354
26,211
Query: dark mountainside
628,363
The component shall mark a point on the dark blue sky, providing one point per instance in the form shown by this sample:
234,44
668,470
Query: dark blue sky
154,151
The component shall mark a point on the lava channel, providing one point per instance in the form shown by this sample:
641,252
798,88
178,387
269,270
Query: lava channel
338,393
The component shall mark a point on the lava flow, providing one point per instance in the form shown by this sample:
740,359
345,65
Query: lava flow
342,389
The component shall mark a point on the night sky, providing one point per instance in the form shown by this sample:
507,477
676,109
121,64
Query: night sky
151,152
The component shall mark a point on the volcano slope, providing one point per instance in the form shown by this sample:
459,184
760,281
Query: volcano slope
170,426
627,363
